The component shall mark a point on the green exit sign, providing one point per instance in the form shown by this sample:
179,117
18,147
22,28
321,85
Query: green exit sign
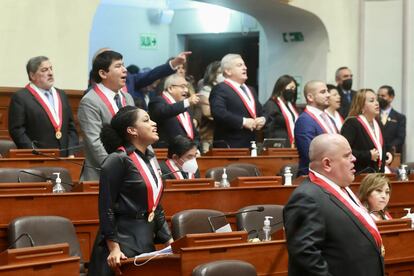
148,41
293,37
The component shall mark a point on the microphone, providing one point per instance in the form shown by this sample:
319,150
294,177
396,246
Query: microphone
232,214
40,176
367,169
220,144
35,142
35,152
32,243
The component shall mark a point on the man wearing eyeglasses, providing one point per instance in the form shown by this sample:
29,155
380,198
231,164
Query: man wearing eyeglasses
170,111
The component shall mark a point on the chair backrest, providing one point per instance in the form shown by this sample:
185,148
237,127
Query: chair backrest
5,146
192,221
232,173
252,169
67,182
225,268
44,230
252,222
19,175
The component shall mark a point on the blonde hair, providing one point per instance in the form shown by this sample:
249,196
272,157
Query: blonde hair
370,183
358,102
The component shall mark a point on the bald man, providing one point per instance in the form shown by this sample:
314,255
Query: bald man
313,121
328,231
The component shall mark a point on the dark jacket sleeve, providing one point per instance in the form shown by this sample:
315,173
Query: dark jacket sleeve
399,138
305,233
140,80
350,131
162,231
17,122
159,110
218,105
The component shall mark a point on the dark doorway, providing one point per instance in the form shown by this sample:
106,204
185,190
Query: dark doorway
210,47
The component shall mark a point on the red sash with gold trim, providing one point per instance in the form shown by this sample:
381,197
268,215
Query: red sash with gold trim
250,108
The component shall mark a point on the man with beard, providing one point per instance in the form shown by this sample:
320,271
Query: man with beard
393,122
343,78
313,121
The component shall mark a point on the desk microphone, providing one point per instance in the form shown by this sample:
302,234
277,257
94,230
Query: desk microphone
232,214
32,244
367,169
42,177
35,142
36,152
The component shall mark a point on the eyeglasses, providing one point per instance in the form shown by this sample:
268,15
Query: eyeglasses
183,86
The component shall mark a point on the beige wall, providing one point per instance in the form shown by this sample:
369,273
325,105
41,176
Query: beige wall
341,19
58,29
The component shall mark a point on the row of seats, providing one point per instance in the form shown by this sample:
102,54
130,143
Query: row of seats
44,230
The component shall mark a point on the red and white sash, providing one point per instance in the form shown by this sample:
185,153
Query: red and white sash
55,116
248,101
110,103
289,119
353,204
326,128
183,118
176,171
154,186
376,137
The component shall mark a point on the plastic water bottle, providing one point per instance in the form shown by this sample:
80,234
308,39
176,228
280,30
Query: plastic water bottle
58,188
288,177
410,216
403,172
267,229
224,183
253,151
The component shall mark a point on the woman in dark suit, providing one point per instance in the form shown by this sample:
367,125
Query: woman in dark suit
280,112
364,133
131,219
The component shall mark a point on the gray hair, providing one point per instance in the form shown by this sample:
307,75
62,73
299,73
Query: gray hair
339,70
171,80
34,63
226,61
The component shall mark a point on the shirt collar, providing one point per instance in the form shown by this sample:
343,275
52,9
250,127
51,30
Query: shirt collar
235,83
314,110
108,92
386,111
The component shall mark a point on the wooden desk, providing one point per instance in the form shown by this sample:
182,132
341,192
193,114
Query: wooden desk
399,252
39,260
75,169
80,208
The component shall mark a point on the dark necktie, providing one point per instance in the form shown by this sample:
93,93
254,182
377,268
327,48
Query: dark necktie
245,91
118,101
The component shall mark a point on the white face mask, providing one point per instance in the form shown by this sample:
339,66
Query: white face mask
190,166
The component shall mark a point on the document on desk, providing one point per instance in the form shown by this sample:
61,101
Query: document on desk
164,251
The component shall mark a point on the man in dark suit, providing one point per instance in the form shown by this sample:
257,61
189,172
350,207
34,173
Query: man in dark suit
393,122
328,231
170,111
39,114
235,107
343,78
313,121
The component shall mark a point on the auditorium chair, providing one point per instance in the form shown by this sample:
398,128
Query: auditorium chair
192,221
67,182
232,173
17,175
5,146
45,230
225,268
252,222
252,169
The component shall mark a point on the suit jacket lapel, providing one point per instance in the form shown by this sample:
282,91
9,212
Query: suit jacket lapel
355,220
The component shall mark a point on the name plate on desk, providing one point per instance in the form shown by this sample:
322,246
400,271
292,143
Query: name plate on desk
246,181
189,183
25,188
208,239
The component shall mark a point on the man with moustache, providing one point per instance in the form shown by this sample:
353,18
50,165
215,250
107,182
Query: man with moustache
39,114
328,231
313,121
171,111
234,106
343,78
393,122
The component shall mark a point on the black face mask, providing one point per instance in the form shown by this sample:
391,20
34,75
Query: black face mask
347,84
382,103
288,95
